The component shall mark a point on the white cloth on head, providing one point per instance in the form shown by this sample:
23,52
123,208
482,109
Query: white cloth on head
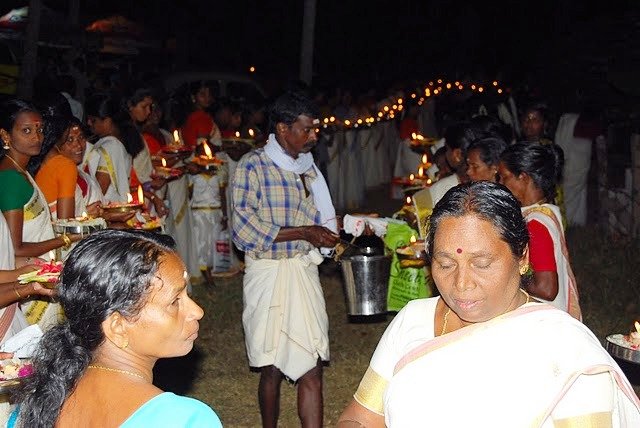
285,320
319,188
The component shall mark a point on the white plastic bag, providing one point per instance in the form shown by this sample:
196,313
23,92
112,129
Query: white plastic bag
222,252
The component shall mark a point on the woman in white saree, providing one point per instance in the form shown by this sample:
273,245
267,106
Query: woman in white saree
22,203
485,353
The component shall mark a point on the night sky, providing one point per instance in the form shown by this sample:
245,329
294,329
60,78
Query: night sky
378,41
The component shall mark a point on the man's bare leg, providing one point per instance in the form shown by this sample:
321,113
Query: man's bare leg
269,395
310,403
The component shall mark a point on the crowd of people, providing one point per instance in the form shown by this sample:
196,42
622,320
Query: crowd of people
267,210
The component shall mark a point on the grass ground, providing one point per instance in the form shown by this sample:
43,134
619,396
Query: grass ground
216,371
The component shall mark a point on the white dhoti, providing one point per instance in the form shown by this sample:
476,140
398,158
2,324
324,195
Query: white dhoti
285,320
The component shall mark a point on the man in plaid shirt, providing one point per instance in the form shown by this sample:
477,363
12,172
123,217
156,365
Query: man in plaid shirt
282,213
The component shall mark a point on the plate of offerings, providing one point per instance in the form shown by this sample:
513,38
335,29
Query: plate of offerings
12,372
166,172
46,274
79,225
413,255
625,346
145,221
177,150
207,163
121,207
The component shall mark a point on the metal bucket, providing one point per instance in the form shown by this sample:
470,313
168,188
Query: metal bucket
366,281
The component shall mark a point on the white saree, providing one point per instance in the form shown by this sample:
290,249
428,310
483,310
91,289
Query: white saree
37,227
11,317
285,320
549,216
109,156
532,367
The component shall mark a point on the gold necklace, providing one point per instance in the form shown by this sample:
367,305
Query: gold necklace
110,369
446,314
444,324
17,165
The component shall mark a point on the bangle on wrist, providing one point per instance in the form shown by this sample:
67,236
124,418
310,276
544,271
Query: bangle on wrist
66,241
16,291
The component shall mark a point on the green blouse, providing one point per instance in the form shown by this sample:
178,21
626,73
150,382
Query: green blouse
16,190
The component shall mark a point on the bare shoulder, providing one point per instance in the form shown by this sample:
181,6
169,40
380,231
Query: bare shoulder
103,404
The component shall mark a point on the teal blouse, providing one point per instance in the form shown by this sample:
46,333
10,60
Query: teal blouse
175,411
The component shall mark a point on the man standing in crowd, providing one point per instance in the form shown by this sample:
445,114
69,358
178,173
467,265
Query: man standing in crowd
282,214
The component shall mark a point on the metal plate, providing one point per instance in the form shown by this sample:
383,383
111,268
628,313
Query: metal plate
79,229
622,352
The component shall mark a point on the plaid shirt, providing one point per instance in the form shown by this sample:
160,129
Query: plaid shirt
266,198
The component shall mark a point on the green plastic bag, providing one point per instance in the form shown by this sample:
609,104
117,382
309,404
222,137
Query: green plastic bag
405,284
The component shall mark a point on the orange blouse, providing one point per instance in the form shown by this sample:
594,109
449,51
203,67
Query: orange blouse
57,178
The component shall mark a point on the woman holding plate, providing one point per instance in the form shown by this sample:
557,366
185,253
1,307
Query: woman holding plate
125,297
485,353
22,203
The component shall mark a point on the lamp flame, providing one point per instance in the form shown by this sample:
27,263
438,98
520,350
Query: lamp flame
176,137
164,163
52,255
408,200
84,214
420,172
251,133
207,151
637,324
237,134
411,177
412,239
129,198
424,158
140,194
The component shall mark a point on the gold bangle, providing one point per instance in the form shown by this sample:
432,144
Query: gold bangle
66,240
16,291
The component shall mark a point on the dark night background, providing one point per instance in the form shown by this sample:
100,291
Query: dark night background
360,43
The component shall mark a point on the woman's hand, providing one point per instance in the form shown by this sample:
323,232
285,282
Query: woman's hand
37,289
95,209
34,289
160,207
158,182
118,217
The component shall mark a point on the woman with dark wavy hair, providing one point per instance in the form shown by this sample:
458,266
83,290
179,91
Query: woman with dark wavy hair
124,294
531,172
486,353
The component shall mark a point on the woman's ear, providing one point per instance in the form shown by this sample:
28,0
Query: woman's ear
524,260
4,135
115,330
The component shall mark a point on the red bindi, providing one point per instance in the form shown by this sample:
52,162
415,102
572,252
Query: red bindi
459,250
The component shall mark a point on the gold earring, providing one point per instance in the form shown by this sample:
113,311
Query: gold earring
524,269
5,145
125,344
